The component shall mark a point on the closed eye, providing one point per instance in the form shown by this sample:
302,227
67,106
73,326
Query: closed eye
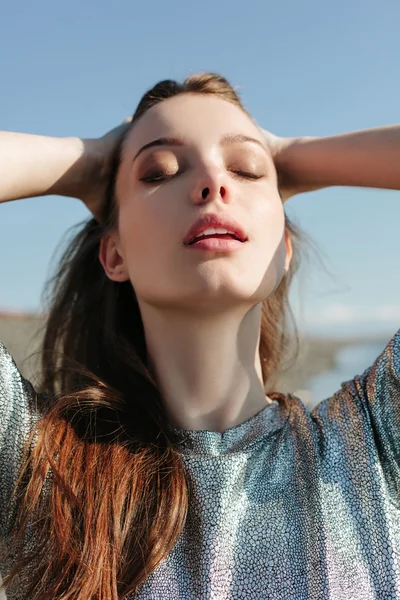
156,178
247,175
159,177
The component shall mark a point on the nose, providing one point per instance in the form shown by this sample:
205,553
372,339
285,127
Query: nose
212,185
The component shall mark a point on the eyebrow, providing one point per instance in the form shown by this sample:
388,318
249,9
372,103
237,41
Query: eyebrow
178,141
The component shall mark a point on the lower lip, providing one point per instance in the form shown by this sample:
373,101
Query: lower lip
217,245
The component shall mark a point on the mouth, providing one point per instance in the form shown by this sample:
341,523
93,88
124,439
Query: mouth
216,243
211,233
215,231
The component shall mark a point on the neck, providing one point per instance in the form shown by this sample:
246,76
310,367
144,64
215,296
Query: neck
207,367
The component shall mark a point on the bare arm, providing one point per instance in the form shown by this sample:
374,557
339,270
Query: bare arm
35,165
367,158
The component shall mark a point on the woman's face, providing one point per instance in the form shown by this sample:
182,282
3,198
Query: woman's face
204,164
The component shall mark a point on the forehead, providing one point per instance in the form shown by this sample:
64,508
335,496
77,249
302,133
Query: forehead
196,117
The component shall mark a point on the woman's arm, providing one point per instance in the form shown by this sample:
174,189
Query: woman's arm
367,158
35,165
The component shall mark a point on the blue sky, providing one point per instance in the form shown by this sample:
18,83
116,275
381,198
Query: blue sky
303,68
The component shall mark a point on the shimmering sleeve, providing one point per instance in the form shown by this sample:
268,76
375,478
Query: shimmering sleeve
16,401
379,391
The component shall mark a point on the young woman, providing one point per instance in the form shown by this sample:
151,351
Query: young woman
156,458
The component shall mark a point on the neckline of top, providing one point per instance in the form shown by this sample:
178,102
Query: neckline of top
267,421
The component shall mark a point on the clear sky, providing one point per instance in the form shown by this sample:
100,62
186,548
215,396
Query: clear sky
303,68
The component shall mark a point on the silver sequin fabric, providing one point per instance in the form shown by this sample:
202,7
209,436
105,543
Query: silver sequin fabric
292,504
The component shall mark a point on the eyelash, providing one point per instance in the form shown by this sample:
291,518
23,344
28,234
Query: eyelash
160,177
155,178
247,175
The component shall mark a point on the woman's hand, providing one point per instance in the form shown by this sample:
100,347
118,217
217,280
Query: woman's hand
277,147
36,165
98,155
281,150
366,158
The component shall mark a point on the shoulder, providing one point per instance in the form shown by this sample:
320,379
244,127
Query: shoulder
17,398
366,413
19,413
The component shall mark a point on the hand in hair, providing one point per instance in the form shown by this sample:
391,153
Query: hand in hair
365,158
98,156
278,147
37,165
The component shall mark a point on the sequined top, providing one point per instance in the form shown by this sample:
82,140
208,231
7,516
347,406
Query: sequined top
289,505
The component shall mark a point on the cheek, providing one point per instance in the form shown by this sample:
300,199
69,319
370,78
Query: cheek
269,249
268,219
140,228
147,234
136,222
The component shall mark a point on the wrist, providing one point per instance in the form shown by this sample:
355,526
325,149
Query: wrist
72,165
290,166
92,172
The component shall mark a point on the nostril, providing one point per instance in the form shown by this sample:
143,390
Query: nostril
204,193
222,192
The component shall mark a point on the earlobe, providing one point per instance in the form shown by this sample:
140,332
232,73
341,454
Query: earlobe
289,250
112,261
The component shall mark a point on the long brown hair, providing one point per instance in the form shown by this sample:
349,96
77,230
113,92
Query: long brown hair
118,497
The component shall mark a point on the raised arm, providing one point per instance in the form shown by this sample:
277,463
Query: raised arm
35,165
367,158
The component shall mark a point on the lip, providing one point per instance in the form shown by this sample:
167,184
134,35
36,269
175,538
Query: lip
216,245
215,220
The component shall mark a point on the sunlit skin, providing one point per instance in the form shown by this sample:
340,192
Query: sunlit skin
201,310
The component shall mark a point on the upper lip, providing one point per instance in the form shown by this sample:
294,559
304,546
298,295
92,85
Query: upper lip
214,220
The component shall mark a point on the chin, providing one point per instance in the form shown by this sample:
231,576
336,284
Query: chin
208,289
217,298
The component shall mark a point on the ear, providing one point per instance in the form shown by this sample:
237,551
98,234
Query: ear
111,258
289,250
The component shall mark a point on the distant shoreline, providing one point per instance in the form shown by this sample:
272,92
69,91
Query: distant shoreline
22,333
